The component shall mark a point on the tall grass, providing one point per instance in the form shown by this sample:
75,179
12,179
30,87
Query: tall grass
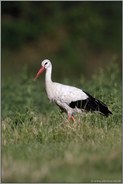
40,145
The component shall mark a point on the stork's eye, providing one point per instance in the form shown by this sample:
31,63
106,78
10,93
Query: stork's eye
45,63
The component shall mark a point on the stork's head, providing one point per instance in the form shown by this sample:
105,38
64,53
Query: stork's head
44,65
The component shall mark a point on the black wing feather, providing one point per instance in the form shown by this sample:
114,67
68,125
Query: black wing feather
91,104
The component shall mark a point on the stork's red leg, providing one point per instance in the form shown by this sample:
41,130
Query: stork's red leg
71,117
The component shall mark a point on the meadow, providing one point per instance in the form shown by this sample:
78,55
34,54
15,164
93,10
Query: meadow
40,145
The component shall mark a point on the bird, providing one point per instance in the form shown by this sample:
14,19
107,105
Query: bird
70,99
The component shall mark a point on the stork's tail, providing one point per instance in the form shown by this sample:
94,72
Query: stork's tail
102,108
98,105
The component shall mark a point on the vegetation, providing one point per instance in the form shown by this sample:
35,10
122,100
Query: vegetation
40,145
83,41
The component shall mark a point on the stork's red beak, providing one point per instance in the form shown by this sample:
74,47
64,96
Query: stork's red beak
39,72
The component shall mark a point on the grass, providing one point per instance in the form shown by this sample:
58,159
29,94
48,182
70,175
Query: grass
40,145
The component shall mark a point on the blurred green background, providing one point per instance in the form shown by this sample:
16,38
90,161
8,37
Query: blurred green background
78,37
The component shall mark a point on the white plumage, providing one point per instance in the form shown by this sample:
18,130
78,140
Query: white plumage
66,93
69,99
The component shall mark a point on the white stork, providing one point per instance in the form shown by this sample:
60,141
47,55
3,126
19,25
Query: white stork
70,99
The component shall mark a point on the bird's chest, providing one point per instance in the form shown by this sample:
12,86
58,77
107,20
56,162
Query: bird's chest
50,92
53,92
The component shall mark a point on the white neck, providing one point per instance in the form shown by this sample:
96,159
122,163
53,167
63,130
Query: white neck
48,75
48,82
